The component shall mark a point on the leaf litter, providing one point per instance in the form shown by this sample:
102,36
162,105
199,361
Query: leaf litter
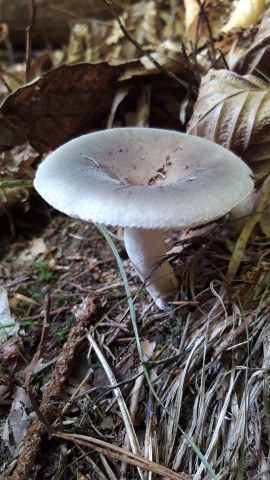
71,370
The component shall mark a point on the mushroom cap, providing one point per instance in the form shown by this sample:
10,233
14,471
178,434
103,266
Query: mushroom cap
143,177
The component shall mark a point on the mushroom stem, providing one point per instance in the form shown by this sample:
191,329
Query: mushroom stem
146,248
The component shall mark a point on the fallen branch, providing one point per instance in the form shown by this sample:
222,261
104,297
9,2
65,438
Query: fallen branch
53,393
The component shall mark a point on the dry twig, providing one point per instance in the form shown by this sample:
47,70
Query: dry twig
29,35
33,439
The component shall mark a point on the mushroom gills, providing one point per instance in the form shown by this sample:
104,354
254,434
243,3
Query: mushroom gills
146,250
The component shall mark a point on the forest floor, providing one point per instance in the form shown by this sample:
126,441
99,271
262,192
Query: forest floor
96,383
66,292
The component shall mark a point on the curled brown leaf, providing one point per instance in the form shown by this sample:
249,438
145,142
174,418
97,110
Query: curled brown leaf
234,111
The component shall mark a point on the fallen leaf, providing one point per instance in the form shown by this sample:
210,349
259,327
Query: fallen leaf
10,136
8,326
246,13
256,58
234,111
16,162
5,389
36,249
10,352
17,421
142,20
147,349
64,103
192,10
12,196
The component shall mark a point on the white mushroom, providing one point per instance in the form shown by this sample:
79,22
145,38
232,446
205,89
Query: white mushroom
145,180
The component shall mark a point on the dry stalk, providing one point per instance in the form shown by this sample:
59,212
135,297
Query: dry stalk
119,453
119,397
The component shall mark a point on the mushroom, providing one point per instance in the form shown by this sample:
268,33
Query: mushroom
145,180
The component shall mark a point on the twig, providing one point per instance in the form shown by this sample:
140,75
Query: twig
29,38
53,392
203,15
35,359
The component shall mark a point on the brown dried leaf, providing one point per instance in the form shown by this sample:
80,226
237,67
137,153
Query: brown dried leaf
10,351
9,134
234,111
92,40
17,422
65,102
257,55
142,22
192,10
37,248
246,13
13,196
173,21
206,22
16,163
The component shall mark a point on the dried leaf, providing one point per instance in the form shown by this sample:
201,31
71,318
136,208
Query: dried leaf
204,24
79,41
17,422
13,196
256,57
168,55
246,13
10,352
65,102
142,21
16,162
36,249
10,136
234,111
173,21
147,349
5,318
192,9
